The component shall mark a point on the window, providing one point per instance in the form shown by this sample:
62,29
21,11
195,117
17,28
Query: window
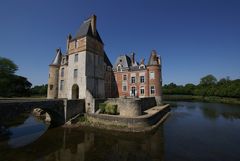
133,79
76,58
61,85
76,44
133,91
152,90
151,75
124,77
141,79
62,72
51,87
75,73
142,90
124,88
119,68
63,60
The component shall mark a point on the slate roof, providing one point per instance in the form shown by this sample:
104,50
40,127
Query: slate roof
57,59
106,60
124,60
153,60
86,30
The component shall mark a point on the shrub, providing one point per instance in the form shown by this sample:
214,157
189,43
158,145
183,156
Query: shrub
102,107
111,109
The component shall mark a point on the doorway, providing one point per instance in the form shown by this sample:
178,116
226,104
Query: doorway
75,91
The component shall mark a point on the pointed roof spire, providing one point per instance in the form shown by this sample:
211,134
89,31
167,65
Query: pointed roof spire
58,57
153,60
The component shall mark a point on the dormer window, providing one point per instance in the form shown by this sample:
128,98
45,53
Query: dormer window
142,66
119,67
76,44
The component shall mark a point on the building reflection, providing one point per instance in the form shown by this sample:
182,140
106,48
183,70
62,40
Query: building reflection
93,146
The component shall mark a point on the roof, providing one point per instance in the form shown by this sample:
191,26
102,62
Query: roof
153,60
57,59
86,30
124,60
106,60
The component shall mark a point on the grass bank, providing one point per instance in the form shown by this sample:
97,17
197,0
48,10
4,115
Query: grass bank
226,100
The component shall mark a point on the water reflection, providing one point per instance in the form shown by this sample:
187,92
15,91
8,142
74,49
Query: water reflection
194,131
76,145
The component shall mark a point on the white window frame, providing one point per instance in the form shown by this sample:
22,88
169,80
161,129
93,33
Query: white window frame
123,77
154,90
141,79
140,90
152,75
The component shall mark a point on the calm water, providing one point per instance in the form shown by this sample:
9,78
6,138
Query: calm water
193,132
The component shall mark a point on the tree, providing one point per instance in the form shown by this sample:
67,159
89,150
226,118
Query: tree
11,84
208,80
7,66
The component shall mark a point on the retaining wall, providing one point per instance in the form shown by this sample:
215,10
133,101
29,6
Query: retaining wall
130,122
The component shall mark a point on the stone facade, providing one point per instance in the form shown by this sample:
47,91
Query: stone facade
85,66
86,70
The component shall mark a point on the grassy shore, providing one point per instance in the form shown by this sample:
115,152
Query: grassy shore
201,98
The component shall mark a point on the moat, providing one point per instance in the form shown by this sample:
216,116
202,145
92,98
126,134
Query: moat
194,131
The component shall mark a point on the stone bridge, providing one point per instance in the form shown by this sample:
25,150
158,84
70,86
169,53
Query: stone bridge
60,110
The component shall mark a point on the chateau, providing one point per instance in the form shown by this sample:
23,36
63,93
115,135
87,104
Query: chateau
85,68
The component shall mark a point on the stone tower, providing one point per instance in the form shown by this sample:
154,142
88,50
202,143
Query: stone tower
53,76
86,62
154,65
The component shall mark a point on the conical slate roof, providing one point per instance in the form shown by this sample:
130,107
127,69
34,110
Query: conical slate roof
57,59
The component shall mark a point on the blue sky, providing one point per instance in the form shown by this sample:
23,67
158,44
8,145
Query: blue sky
194,37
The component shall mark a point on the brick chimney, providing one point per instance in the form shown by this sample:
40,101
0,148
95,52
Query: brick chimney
93,24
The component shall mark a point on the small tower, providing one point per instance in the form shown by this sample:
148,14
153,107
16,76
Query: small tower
154,68
53,76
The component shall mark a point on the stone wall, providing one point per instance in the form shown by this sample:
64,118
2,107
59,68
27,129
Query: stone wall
131,107
147,103
75,107
127,106
131,122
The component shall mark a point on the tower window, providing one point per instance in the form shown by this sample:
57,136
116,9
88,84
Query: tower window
62,72
152,75
75,73
76,58
76,44
152,90
51,86
61,84
142,90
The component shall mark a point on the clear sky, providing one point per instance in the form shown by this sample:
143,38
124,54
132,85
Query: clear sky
194,37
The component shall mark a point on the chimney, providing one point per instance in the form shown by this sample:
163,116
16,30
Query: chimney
69,37
93,24
133,58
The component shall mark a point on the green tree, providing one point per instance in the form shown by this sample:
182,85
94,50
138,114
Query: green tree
7,66
11,84
208,80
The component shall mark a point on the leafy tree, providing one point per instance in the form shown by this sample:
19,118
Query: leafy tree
208,80
11,84
7,66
